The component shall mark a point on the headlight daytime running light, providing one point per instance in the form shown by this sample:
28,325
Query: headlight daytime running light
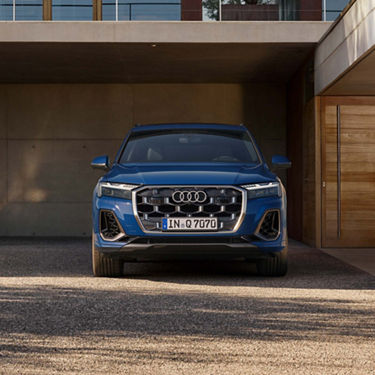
116,190
263,190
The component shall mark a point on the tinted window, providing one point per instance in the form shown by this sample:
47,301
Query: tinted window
72,10
142,10
29,10
334,8
190,147
6,10
108,10
21,10
155,12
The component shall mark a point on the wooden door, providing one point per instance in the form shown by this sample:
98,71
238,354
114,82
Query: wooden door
348,172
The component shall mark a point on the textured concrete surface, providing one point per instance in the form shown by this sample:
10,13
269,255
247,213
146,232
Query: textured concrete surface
155,52
55,318
50,133
357,81
164,32
362,258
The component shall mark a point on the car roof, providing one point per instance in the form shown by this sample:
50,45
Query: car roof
200,126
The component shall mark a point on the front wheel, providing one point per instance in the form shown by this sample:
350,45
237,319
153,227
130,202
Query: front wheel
274,265
103,266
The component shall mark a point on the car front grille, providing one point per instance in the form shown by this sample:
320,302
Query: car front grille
222,202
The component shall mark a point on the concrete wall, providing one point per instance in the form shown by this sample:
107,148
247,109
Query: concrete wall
50,133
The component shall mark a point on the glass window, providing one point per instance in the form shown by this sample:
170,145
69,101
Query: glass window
72,10
334,8
29,10
6,10
241,10
142,10
108,10
288,10
190,146
24,10
155,12
124,10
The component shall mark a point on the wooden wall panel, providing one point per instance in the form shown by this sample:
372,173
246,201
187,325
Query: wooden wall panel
354,226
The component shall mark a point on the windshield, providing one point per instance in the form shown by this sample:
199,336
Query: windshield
190,146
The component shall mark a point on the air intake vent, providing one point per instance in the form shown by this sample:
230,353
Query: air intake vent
110,228
269,228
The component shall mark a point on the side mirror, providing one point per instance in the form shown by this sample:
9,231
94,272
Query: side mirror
101,162
280,162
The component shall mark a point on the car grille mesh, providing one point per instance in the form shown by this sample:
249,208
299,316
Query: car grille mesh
155,203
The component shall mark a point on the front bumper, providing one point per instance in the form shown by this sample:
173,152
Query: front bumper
142,249
138,245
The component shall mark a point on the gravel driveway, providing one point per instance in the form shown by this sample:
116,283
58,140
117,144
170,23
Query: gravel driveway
55,318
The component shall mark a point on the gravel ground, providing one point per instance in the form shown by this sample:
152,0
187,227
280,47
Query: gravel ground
55,318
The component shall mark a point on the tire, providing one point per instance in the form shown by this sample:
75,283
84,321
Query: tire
104,266
274,265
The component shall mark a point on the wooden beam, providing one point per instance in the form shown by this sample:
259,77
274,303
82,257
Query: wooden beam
97,10
318,174
47,10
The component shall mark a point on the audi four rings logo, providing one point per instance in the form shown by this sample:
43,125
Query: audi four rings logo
189,196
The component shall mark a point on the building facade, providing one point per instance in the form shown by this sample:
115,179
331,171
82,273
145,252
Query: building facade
170,10
70,89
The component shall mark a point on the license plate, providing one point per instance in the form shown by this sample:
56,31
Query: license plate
189,224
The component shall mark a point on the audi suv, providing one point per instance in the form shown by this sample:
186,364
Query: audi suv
189,191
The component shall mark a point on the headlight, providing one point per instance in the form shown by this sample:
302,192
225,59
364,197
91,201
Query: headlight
111,189
268,189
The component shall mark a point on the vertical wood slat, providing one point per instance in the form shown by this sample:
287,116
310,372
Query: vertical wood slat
47,10
338,108
97,10
318,175
329,172
323,171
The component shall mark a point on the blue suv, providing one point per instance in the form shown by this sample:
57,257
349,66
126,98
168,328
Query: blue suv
189,191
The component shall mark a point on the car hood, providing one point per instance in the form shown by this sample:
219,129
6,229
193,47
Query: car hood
206,174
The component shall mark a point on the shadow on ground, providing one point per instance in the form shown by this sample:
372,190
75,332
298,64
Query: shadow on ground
58,311
54,316
308,267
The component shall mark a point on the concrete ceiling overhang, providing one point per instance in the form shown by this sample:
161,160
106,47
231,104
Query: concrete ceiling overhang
358,81
154,52
345,58
142,63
